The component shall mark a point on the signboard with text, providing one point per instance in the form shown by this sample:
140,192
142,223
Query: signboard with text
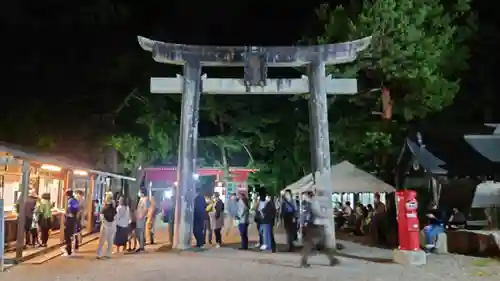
231,187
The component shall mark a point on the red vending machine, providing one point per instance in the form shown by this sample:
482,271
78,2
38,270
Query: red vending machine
408,224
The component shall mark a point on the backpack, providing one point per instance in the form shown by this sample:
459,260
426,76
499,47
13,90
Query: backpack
73,206
109,213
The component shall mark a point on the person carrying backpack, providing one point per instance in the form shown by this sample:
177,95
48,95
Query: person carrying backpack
315,222
289,215
108,227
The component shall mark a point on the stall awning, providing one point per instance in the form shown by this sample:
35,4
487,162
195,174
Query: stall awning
345,177
23,153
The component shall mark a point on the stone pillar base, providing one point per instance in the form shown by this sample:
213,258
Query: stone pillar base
409,257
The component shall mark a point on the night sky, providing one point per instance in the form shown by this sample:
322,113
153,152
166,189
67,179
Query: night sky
54,45
69,62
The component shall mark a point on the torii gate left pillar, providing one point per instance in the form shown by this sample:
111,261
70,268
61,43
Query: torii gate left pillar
255,61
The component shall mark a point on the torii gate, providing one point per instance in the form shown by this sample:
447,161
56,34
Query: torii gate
255,61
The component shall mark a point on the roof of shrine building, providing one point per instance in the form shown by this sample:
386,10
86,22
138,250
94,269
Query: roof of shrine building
467,152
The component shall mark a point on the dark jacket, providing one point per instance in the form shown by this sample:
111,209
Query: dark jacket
199,208
219,208
289,209
269,213
438,217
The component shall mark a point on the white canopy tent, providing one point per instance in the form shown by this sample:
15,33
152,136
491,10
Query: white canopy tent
346,178
298,185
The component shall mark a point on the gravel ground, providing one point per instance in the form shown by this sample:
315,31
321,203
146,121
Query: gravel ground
229,264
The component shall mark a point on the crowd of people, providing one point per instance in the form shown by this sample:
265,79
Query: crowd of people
127,228
37,219
117,222
363,220
265,212
208,219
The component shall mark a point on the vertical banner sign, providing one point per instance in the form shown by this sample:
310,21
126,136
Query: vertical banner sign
230,189
2,235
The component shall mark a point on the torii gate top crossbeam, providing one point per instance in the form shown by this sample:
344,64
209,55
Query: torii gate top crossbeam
276,56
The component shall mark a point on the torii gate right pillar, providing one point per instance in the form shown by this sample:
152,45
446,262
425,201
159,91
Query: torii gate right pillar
320,141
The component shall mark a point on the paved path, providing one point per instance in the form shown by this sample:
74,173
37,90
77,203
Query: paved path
230,264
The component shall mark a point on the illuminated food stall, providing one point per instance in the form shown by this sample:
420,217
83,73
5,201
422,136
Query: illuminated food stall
164,178
26,176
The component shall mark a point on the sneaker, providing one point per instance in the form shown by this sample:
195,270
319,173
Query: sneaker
305,265
63,250
217,246
257,245
263,247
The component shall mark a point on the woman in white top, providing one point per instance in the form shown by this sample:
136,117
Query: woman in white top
122,224
108,227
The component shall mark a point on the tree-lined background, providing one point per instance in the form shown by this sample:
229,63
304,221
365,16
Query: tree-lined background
76,81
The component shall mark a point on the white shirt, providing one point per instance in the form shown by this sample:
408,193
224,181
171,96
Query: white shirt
122,216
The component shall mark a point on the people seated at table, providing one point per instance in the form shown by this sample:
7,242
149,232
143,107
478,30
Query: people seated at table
344,216
352,220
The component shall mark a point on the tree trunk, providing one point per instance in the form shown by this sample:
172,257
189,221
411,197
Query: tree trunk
225,164
134,187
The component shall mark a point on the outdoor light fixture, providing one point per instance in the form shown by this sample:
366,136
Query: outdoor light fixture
80,173
196,176
176,183
51,168
167,194
220,184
